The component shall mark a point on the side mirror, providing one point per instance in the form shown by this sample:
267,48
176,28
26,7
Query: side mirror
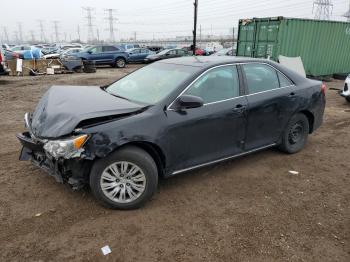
188,101
89,52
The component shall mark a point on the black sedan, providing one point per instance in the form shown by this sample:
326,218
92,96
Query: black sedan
168,118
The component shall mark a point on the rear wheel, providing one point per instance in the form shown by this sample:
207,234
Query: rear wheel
295,135
126,179
120,62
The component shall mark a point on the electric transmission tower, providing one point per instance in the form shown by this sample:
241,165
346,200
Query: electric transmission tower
42,32
6,35
32,36
89,17
55,28
347,14
111,21
20,32
324,9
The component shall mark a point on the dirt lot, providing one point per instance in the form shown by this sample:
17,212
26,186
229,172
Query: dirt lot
248,209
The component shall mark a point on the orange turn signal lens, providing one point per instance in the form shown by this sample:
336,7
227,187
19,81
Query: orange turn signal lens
79,141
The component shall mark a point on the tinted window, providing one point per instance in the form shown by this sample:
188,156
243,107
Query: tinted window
216,85
129,46
109,48
136,51
284,81
180,52
96,49
260,77
145,51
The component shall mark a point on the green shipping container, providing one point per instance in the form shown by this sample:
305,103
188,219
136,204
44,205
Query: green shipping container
324,46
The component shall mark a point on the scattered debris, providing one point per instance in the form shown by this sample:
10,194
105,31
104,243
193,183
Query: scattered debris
106,250
292,172
38,214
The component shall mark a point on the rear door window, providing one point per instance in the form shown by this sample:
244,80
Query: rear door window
284,81
260,77
109,49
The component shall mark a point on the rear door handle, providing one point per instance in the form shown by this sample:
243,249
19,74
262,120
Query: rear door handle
292,94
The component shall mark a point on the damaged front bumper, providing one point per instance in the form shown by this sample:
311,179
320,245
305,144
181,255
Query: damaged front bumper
75,171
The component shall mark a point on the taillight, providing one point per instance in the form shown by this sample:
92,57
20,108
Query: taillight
323,88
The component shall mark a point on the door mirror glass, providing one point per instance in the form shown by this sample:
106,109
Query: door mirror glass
188,101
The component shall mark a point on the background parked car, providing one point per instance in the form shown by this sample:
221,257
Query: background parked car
70,52
139,54
346,91
165,54
225,52
2,59
105,55
127,47
156,49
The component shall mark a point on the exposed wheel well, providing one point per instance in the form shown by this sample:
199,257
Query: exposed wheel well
155,152
311,119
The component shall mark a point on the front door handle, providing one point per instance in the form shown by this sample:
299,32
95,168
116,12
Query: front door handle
292,94
239,109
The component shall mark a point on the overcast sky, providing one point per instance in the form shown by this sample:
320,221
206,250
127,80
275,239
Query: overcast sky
152,18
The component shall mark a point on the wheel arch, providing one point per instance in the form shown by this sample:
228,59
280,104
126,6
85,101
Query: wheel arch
311,118
153,150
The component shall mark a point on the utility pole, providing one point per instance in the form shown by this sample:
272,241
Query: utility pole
111,21
42,32
233,40
347,14
195,26
90,25
135,33
20,32
324,9
55,27
200,34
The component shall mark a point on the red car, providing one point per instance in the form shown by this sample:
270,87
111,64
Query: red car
200,51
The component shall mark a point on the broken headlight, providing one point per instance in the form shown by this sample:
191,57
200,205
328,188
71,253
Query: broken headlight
66,148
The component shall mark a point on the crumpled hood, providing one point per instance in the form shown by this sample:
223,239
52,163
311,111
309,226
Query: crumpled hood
62,108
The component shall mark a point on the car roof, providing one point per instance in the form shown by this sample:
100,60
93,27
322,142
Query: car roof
209,61
206,62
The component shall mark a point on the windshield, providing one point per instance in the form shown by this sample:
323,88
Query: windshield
163,52
152,83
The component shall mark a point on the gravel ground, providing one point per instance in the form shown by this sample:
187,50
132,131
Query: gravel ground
248,209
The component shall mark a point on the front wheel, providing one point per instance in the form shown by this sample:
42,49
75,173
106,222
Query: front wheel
120,62
126,179
295,135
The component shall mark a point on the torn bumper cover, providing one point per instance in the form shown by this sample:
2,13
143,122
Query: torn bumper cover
72,171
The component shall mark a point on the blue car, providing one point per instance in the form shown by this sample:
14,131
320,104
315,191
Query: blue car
139,54
105,55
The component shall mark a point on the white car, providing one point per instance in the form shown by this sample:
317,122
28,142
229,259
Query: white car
346,90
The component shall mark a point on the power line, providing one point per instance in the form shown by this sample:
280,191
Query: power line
324,9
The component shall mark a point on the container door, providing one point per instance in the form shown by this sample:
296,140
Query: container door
266,40
246,39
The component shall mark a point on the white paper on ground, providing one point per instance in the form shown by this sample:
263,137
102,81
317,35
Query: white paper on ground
293,63
19,65
106,250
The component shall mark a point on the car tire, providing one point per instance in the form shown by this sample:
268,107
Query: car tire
120,62
145,179
295,135
348,99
